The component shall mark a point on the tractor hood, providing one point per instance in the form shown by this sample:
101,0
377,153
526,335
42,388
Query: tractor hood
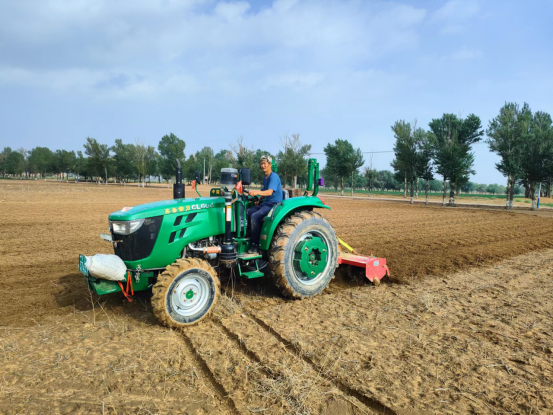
168,207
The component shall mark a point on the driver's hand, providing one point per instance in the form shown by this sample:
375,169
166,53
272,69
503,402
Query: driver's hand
254,192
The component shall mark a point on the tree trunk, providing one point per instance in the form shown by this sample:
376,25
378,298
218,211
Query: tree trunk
342,186
295,182
445,190
412,189
351,183
417,189
405,187
513,180
426,191
106,171
509,206
533,194
451,193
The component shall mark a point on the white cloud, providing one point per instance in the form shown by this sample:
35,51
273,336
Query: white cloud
457,9
455,15
145,47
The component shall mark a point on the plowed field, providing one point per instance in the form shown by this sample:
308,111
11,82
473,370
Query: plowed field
469,333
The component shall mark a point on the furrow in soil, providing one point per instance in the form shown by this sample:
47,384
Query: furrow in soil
372,402
305,387
232,372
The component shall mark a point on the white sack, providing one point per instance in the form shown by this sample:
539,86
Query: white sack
107,267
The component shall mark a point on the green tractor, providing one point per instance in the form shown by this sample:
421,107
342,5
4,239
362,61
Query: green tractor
175,247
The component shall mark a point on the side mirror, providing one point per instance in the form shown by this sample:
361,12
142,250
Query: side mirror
198,176
246,176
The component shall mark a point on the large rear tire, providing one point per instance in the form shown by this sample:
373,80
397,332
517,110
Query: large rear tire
185,293
303,255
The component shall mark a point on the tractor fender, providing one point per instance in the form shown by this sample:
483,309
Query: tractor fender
283,209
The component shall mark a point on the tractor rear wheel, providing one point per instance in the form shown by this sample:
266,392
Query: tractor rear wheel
185,293
303,254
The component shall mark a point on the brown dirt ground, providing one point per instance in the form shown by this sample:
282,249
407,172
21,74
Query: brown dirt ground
474,336
433,197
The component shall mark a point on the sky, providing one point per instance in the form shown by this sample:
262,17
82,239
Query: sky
212,71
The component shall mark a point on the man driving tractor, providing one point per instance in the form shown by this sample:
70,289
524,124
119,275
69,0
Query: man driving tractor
270,194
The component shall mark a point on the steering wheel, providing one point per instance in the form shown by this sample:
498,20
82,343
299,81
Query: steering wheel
248,193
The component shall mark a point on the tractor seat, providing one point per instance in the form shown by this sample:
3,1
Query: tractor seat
285,194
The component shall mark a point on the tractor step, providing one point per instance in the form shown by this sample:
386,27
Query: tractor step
247,257
375,268
252,274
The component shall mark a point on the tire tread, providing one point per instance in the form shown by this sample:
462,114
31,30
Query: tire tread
164,280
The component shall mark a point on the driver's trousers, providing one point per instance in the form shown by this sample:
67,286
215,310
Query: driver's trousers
255,216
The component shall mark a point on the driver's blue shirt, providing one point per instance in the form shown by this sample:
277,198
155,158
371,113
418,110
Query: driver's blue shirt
272,182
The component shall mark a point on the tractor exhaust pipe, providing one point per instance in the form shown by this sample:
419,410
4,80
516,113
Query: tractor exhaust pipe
178,187
227,256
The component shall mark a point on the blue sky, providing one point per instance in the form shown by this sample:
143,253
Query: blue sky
212,71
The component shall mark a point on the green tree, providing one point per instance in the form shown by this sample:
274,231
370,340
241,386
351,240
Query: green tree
406,158
140,161
15,163
342,160
436,186
371,178
148,159
292,161
453,157
223,159
469,187
171,149
506,134
492,188
481,188
537,151
63,162
153,163
190,166
206,158
41,160
370,175
81,166
426,143
3,159
331,180
98,156
124,158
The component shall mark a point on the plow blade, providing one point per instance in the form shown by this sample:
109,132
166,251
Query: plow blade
375,268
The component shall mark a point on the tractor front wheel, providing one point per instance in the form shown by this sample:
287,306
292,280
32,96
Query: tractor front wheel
303,254
185,293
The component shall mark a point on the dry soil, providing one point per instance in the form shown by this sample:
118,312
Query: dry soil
463,326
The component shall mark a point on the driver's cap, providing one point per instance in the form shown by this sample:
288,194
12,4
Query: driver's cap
266,158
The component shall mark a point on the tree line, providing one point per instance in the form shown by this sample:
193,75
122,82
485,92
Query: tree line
138,162
522,139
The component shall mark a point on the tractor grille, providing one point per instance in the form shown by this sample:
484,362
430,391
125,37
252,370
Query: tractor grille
138,245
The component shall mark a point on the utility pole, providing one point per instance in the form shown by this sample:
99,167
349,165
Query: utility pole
539,194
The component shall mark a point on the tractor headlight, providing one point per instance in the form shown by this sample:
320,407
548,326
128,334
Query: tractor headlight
126,227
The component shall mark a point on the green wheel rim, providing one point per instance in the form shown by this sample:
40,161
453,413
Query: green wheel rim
310,258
